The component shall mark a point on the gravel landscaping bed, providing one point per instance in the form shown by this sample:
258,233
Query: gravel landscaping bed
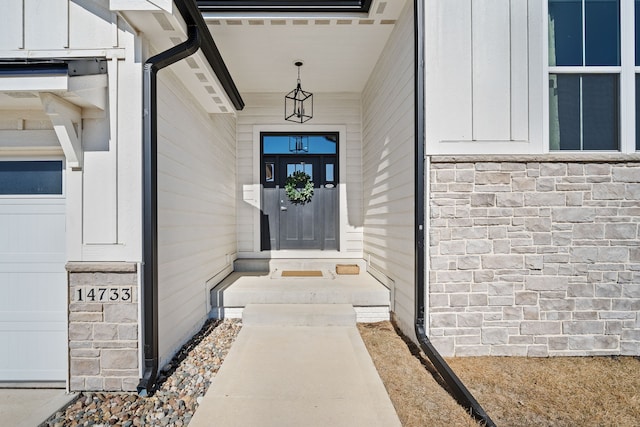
515,391
181,385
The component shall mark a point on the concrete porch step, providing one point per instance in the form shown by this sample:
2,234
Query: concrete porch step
299,315
369,297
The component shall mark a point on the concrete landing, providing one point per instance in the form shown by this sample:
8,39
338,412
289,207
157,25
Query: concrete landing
368,296
288,368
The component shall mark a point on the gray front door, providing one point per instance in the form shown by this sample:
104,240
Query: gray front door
290,225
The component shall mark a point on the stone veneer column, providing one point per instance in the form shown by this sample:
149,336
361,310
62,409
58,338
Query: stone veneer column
103,326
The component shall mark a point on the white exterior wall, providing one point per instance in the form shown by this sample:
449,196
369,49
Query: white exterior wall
484,76
102,186
196,210
388,168
332,112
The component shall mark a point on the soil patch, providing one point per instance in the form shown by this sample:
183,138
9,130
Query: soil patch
558,391
418,398
515,391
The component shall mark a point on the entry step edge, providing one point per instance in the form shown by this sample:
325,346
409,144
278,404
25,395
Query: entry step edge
299,315
265,265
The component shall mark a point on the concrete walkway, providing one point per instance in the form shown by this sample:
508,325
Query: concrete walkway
24,407
297,365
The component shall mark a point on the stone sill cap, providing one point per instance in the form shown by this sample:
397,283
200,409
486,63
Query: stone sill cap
542,158
101,267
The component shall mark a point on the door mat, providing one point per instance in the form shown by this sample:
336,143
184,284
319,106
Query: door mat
301,273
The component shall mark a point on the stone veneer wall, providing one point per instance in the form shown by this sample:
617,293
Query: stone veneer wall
103,335
535,255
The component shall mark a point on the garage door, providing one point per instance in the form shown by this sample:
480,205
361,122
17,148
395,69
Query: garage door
33,296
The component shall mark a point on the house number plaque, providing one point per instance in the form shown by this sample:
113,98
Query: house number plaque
103,294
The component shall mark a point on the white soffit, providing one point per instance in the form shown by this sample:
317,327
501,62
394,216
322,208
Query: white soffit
117,5
339,51
164,30
19,100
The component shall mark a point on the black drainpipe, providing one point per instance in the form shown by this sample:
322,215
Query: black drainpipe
456,387
198,37
150,201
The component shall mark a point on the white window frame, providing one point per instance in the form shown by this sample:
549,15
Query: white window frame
626,70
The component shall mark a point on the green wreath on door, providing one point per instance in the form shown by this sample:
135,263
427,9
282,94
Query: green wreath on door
299,188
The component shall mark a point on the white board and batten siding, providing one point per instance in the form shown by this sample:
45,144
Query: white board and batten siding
388,167
103,196
32,25
196,209
483,62
332,112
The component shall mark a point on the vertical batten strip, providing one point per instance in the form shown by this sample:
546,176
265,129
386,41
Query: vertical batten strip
628,123
449,84
46,24
491,70
12,28
519,30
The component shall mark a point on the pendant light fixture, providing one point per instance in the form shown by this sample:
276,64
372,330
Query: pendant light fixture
298,104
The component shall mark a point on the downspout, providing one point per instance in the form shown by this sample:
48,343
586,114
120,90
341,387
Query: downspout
199,37
150,201
456,387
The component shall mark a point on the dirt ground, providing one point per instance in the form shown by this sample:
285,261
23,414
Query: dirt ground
514,391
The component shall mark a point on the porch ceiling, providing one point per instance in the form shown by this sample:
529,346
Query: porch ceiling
339,51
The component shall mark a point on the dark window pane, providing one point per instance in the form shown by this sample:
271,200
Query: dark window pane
269,172
275,144
299,144
637,112
637,27
602,32
600,112
32,177
329,172
567,97
565,32
300,167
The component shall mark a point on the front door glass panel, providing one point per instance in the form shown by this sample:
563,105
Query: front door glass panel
300,143
300,167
